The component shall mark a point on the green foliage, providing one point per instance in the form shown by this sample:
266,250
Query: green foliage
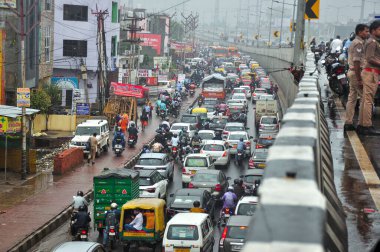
40,100
55,94
177,31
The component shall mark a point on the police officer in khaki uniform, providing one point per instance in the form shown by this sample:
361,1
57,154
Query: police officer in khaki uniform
370,77
355,62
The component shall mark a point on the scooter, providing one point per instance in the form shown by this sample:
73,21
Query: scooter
224,216
162,114
118,148
112,236
240,157
132,141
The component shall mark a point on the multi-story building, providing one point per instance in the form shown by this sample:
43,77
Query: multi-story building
76,47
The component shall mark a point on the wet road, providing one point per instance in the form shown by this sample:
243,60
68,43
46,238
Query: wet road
233,171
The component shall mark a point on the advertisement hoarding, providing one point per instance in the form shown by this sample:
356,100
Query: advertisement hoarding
151,40
127,90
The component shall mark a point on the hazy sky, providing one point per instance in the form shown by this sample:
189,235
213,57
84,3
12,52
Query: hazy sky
329,10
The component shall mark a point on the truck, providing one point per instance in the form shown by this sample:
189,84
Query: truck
265,108
214,86
113,185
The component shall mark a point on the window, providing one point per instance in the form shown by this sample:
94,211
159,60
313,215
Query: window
113,46
75,12
47,5
205,229
183,232
115,10
47,43
75,48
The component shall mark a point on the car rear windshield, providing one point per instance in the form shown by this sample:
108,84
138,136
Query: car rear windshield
213,147
234,128
246,209
150,161
145,181
269,120
185,200
237,137
258,91
206,135
237,91
177,127
210,102
235,232
265,141
252,178
183,232
204,177
189,119
196,162
220,120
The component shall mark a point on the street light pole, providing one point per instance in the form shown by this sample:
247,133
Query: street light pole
282,20
293,22
300,33
270,23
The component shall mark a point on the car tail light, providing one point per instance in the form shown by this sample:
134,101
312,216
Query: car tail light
259,146
150,190
191,185
225,133
223,237
201,151
83,231
112,230
184,170
224,154
261,126
254,94
248,144
251,163
218,187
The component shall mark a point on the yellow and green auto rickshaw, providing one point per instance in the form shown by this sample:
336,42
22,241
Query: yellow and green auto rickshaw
153,228
202,112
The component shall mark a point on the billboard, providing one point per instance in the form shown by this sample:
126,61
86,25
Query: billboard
128,90
8,4
151,40
65,82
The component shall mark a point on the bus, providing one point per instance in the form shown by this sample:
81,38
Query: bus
219,52
233,52
214,86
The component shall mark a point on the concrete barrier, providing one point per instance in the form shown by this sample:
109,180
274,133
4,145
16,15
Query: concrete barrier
67,160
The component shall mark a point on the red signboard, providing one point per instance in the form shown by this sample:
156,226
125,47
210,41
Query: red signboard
151,40
128,90
151,81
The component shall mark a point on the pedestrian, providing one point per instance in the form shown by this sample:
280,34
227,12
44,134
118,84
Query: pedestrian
93,148
370,77
147,109
151,109
144,119
355,64
124,123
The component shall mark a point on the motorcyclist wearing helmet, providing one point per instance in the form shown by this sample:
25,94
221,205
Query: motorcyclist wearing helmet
196,140
229,199
240,148
79,201
197,208
118,137
165,125
175,140
163,107
81,219
239,188
112,219
133,131
146,149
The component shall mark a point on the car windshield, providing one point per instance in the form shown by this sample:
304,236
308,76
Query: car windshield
252,178
269,120
213,147
236,109
237,137
145,181
150,161
237,91
219,120
183,232
258,91
235,232
210,102
178,127
210,109
204,177
246,209
196,162
234,128
189,119
260,155
206,135
87,131
185,200
238,97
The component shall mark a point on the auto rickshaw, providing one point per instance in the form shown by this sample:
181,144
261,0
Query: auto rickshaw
154,215
202,112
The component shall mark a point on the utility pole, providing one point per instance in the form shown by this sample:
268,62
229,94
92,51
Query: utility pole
293,23
84,78
300,33
190,24
270,24
102,57
248,13
362,11
282,20
23,33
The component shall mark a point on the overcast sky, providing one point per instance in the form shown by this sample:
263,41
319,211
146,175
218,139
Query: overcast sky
329,9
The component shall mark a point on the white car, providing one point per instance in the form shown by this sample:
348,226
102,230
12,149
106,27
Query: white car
177,127
234,137
240,96
232,127
247,91
247,205
257,93
219,152
152,184
269,124
206,135
193,163
266,97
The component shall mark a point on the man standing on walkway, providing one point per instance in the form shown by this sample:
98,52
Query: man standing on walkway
355,62
370,76
94,146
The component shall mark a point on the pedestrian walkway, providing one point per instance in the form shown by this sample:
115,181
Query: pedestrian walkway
19,221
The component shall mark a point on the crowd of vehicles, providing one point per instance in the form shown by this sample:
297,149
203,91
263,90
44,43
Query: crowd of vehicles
202,143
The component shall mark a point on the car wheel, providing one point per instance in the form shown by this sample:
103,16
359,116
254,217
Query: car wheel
97,153
105,147
184,185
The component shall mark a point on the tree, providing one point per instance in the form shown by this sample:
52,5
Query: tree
55,94
42,101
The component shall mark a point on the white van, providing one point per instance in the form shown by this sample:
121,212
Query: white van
87,129
190,232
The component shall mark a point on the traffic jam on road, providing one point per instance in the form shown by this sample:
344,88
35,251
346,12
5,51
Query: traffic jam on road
194,188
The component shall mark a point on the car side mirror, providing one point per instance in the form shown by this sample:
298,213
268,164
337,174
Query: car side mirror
229,178
255,140
241,176
247,128
251,137
171,195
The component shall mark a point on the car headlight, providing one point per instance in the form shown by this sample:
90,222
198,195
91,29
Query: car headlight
73,143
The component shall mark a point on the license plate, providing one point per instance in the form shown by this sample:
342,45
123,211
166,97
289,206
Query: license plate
83,236
226,215
341,76
262,165
181,250
112,234
193,172
237,247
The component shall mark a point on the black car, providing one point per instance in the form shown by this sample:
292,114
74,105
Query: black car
233,235
215,181
258,160
182,200
252,180
217,122
194,120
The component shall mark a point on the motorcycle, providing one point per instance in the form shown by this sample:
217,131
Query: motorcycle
192,92
240,157
112,236
118,148
175,111
162,114
174,151
196,147
200,101
81,235
132,141
224,216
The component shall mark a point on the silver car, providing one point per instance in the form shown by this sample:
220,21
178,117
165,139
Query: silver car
233,139
219,152
79,246
156,161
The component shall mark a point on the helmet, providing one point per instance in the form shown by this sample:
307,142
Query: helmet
80,193
352,36
113,205
175,135
196,133
81,208
236,181
132,125
230,188
196,203
119,129
240,181
241,139
146,146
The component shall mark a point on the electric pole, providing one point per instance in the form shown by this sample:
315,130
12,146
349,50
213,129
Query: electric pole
300,33
362,11
23,33
102,57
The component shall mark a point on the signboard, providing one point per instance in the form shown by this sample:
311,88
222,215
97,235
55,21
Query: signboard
162,78
162,62
181,77
151,81
65,82
151,40
23,97
128,90
143,73
312,9
10,125
83,109
8,4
